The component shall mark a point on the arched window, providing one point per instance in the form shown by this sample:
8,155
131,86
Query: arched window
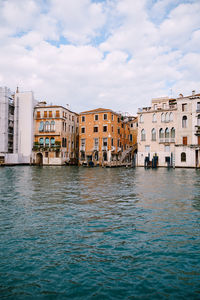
173,133
184,122
171,117
167,133
153,134
52,141
198,120
161,133
52,125
162,117
154,118
41,141
46,141
141,119
183,157
143,135
41,128
167,117
47,126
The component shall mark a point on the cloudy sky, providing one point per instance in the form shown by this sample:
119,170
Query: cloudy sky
100,53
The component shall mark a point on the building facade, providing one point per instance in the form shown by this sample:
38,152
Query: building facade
157,132
16,126
169,132
103,137
55,135
6,123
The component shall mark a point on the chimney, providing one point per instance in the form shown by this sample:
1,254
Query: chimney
193,92
180,95
17,90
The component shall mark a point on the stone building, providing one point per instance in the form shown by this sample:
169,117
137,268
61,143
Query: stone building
55,135
157,131
103,137
169,131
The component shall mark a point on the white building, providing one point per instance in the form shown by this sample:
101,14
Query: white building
6,123
17,148
170,130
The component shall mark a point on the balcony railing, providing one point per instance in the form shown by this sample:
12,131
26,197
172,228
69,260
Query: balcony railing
167,140
42,147
112,148
104,148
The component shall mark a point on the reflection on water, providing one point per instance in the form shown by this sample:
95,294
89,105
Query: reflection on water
69,232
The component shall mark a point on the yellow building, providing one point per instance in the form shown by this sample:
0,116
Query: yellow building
103,137
55,135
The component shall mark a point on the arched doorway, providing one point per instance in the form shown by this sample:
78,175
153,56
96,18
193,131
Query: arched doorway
39,159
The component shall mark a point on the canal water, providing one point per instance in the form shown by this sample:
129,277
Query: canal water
98,233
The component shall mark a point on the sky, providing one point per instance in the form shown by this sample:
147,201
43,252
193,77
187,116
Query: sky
116,54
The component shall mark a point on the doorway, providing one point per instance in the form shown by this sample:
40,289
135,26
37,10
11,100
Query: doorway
39,159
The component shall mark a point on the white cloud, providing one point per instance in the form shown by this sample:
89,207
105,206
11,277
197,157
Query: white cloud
133,60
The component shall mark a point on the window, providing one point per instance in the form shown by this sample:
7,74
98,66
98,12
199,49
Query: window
96,128
167,133
118,119
184,107
46,154
167,148
57,114
153,134
161,133
162,117
198,120
118,143
184,122
147,149
167,117
47,141
131,125
198,106
112,142
105,128
105,116
69,117
184,140
153,119
38,114
155,106
141,119
143,135
96,117
50,114
173,133
47,126
83,118
52,141
52,125
112,117
41,128
82,129
96,142
118,130
183,157
73,118
112,128
45,114
131,137
57,154
105,142
41,141
164,105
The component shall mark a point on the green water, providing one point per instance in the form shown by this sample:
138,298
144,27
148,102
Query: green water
81,233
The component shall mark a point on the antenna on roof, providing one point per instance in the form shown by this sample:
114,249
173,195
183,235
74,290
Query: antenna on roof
68,106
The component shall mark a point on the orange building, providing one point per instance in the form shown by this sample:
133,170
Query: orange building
55,135
104,137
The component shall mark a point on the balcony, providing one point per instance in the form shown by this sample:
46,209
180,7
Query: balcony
119,149
112,148
41,147
166,140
